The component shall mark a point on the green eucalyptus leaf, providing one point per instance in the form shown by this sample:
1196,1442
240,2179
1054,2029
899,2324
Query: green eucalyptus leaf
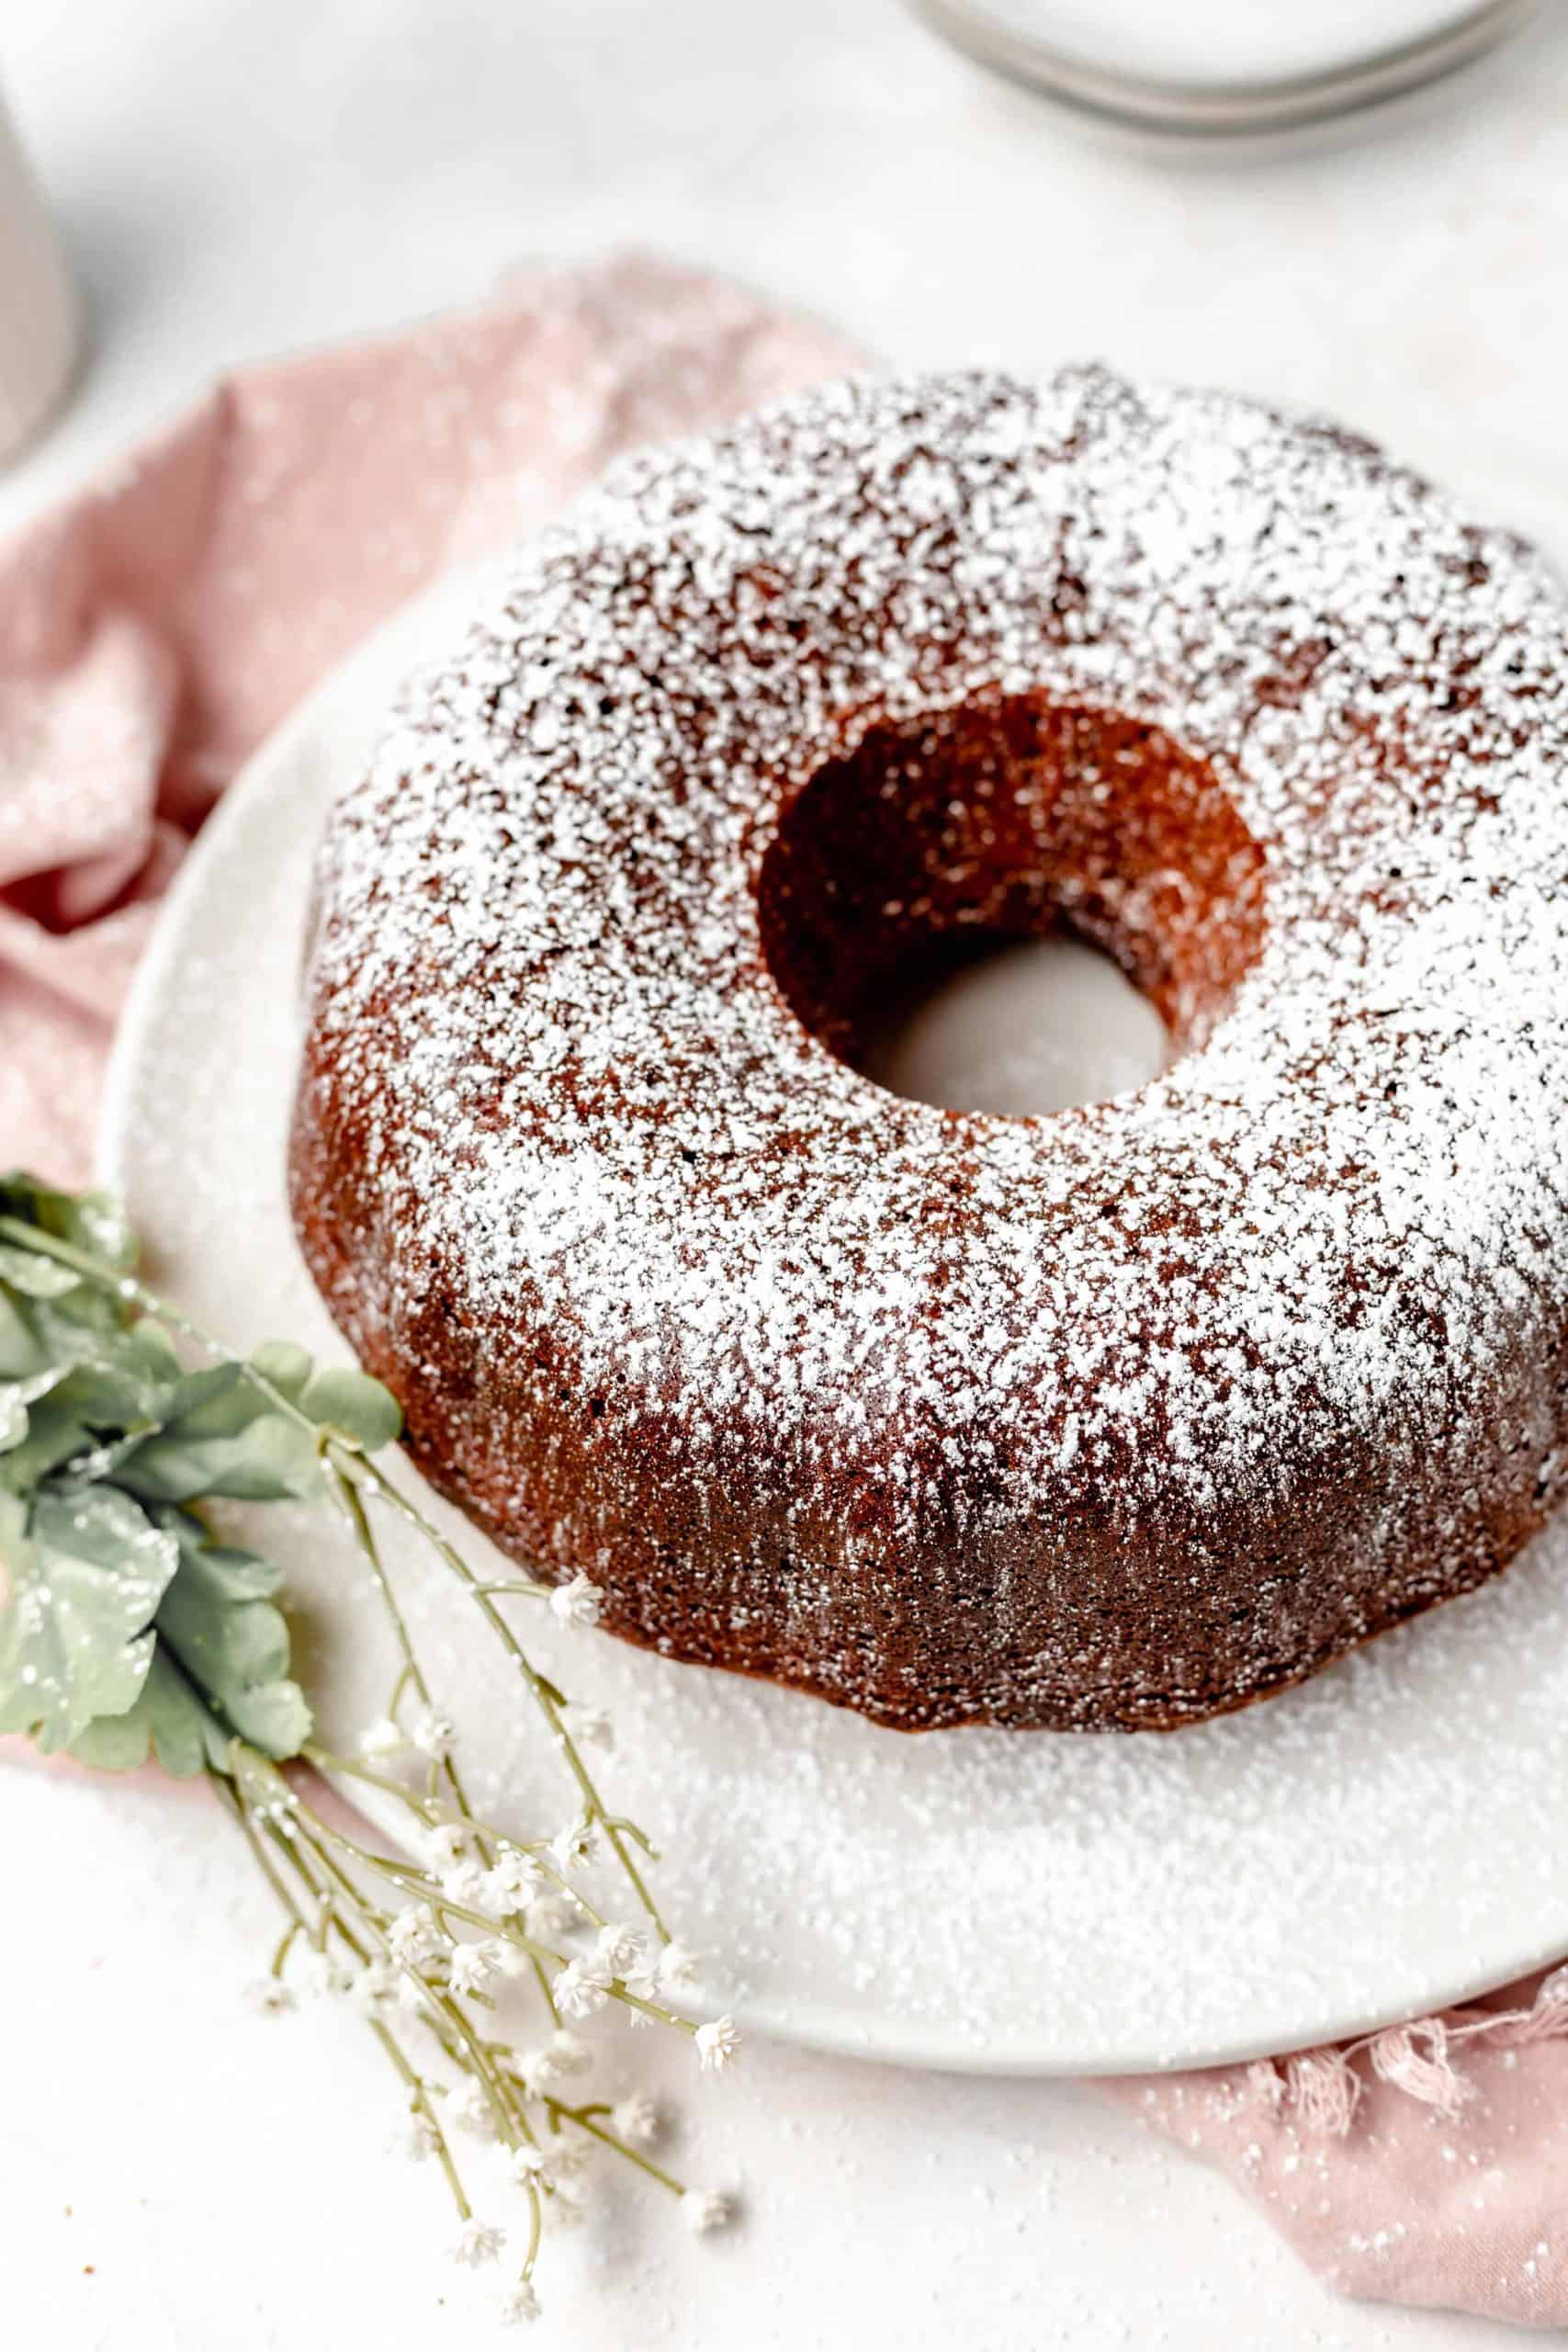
216,1401
33,1274
152,1347
225,1638
230,1640
95,1223
285,1365
273,1716
245,1576
73,1349
52,1435
168,1720
86,1572
22,1350
100,1225
269,1460
236,1574
115,1381
17,1399
351,1402
125,1630
88,1308
91,1406
110,1384
118,1743
220,1436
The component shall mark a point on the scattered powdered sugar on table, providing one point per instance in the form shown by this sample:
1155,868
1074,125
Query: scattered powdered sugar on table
1280,1330
1390,1836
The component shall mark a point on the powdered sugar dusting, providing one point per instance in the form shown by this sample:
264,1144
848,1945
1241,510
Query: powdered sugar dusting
1162,1401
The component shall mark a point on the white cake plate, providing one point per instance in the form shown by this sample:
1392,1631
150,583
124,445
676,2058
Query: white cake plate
1391,1837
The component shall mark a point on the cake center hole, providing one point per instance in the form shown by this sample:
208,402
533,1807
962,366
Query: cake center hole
1033,1026
1011,906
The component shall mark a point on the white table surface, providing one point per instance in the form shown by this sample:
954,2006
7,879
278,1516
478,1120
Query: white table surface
238,180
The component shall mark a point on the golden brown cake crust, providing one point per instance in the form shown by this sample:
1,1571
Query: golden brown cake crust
1118,1418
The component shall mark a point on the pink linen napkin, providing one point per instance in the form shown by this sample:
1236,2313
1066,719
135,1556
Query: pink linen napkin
155,630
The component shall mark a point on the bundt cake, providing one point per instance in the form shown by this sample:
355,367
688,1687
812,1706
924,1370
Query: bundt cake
1112,1419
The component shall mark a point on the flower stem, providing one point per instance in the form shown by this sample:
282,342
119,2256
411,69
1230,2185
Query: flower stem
544,1693
583,2117
419,2096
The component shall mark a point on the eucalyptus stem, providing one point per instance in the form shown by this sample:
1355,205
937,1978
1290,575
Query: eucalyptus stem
350,1468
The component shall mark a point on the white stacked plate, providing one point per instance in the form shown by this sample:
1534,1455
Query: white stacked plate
1213,67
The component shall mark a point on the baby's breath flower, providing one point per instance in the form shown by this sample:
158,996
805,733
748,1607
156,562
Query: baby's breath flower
469,1967
590,1727
520,2305
581,1986
551,1915
415,1936
676,1966
417,2140
471,2111
573,1844
618,1950
271,1997
319,1978
563,2054
566,2206
701,2211
538,2073
370,1985
634,2120
717,2044
569,2054
654,1974
480,2242
463,1881
444,1845
551,2169
576,1602
513,1882
431,1735
382,1738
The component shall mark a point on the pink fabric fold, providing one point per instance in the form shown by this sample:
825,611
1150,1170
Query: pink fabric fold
155,630
1427,2165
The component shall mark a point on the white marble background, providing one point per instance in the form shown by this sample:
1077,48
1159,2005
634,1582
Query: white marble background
236,179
